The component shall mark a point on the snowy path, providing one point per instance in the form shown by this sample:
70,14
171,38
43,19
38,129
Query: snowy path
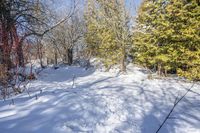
100,102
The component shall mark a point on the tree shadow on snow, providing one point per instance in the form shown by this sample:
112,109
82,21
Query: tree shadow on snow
103,105
64,74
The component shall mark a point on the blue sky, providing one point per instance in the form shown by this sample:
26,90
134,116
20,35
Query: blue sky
59,5
133,5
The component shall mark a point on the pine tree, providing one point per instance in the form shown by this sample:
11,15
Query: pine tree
168,38
91,37
108,31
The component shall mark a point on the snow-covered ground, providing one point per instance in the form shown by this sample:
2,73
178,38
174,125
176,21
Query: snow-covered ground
101,102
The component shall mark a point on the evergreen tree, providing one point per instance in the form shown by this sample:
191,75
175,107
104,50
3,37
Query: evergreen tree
168,38
108,31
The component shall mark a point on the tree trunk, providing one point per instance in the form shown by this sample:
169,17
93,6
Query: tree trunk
165,72
47,61
20,56
1,54
65,57
6,56
40,53
18,45
159,69
123,60
70,56
55,58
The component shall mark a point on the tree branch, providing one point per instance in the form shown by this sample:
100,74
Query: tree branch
175,104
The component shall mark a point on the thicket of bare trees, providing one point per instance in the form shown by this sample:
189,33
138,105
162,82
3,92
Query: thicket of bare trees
24,29
64,41
18,20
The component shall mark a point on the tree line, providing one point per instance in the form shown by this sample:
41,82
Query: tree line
165,36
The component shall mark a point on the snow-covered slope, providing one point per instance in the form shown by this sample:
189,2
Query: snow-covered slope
101,102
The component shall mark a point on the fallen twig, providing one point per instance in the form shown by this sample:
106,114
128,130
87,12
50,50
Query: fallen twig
175,104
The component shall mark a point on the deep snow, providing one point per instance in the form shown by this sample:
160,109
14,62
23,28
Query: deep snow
101,102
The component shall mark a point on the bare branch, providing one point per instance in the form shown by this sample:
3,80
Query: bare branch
175,104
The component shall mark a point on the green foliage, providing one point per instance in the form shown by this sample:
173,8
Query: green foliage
168,36
107,33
